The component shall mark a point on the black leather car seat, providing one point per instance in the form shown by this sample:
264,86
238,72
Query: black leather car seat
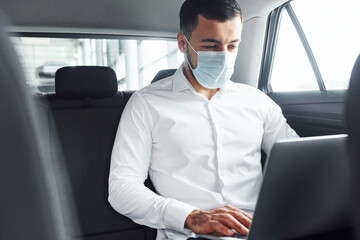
352,119
85,111
163,74
29,200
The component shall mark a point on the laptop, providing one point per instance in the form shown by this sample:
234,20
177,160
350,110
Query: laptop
305,190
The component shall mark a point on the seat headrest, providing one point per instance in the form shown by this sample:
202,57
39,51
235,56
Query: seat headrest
163,74
85,82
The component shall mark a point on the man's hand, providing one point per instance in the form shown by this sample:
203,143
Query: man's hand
219,221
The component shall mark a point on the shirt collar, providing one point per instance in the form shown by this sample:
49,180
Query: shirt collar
180,82
228,86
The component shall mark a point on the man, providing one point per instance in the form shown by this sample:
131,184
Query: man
198,135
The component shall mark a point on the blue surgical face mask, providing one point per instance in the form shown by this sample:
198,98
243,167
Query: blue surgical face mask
213,68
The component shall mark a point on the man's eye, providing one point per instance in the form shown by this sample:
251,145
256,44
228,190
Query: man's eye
209,47
232,46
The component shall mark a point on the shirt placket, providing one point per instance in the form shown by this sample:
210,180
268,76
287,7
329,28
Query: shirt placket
221,172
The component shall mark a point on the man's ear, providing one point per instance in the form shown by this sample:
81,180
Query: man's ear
181,42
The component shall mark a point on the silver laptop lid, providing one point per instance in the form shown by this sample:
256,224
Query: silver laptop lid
306,189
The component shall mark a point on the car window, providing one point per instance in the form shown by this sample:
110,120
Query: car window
135,61
317,44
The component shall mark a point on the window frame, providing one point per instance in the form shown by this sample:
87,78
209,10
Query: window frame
271,38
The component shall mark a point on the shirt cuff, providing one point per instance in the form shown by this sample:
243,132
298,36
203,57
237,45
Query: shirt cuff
176,214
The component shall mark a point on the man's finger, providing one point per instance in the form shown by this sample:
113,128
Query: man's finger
238,210
231,222
219,210
219,227
242,218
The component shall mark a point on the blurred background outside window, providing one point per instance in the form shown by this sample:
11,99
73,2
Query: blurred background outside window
135,61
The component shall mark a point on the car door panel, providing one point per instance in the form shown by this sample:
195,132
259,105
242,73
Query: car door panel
313,113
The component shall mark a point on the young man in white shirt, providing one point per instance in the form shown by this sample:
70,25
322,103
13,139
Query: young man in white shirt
197,134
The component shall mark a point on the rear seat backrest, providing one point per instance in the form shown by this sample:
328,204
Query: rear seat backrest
85,112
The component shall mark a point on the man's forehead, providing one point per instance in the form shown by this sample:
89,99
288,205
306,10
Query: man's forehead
205,24
218,31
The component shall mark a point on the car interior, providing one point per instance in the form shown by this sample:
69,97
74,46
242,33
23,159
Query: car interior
58,124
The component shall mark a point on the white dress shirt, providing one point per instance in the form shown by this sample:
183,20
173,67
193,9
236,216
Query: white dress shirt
199,153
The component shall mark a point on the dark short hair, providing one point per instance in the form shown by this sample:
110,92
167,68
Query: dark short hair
220,10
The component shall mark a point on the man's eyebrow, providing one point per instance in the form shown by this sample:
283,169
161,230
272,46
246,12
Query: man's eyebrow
212,40
236,40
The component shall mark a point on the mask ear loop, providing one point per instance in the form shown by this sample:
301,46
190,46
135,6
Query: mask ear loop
190,44
185,55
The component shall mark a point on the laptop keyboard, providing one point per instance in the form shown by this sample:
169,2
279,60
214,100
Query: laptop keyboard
239,235
235,236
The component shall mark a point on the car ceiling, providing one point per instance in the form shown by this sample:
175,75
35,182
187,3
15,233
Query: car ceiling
94,16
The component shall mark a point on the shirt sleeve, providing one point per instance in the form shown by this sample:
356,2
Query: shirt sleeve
275,126
129,166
